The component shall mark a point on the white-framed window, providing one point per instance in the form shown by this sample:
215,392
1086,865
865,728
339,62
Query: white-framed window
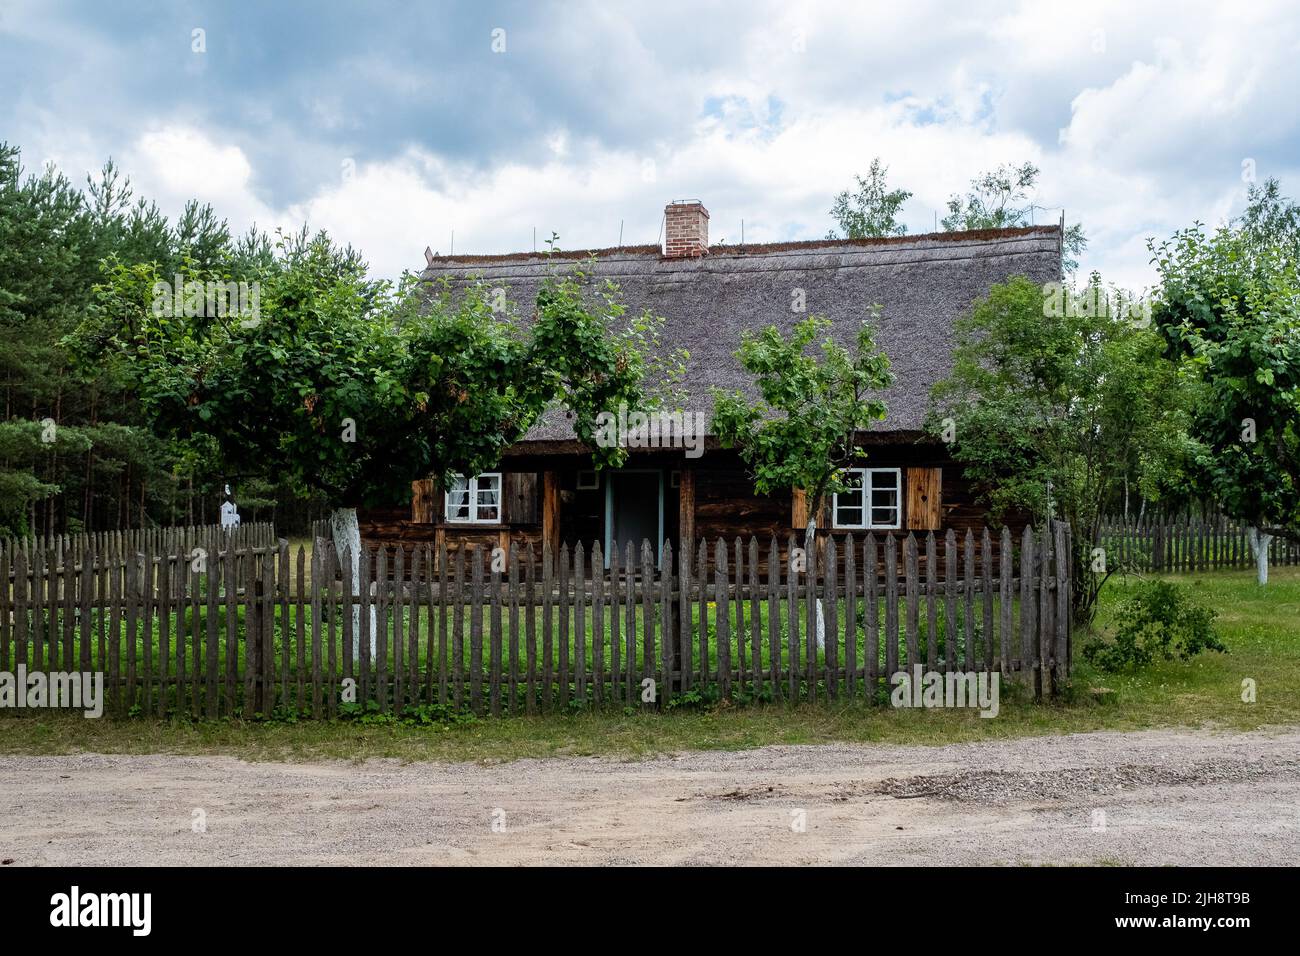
474,500
874,499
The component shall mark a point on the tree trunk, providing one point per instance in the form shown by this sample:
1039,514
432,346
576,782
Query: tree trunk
346,532
1259,543
810,545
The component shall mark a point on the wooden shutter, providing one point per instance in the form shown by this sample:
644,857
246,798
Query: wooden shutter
924,499
426,501
519,497
799,511
551,512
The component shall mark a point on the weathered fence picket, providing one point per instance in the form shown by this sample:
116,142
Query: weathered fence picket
1186,543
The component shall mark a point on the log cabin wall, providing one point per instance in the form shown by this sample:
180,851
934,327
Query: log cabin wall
725,504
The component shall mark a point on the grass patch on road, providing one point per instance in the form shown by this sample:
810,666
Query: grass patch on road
1261,627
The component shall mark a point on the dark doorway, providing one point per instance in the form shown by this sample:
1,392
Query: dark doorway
634,511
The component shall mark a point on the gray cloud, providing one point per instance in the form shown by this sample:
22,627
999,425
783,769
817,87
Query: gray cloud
1139,116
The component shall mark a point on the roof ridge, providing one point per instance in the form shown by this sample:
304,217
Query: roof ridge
721,249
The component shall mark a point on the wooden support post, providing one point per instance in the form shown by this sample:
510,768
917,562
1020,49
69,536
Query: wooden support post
686,508
551,511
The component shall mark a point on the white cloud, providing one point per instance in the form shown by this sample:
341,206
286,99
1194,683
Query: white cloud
173,164
1139,118
780,186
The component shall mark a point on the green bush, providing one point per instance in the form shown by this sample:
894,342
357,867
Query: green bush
1161,621
412,715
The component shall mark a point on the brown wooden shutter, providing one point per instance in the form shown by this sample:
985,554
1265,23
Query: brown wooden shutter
426,501
799,510
551,512
519,497
924,499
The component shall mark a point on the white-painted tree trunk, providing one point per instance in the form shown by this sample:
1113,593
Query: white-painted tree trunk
810,543
1259,544
346,531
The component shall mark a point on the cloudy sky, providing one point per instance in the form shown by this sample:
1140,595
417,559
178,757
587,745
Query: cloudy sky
391,125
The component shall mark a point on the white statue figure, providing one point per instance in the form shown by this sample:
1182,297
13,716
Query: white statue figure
229,513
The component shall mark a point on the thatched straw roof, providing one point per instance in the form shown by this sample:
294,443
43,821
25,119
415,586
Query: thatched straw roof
923,284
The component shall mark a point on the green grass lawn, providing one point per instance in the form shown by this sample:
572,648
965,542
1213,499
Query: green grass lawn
1261,627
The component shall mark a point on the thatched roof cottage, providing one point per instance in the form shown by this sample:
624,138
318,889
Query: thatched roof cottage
546,490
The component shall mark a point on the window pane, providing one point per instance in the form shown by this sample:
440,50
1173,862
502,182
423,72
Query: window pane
884,516
849,516
852,498
487,497
884,499
458,503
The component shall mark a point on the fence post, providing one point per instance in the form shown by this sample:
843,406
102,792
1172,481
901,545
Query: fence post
830,587
1046,646
666,624
870,557
931,603
1004,597
1028,624
913,601
721,617
252,640
682,649
891,607
1064,566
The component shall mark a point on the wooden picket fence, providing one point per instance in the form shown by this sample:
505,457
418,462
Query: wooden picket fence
175,540
266,631
1186,543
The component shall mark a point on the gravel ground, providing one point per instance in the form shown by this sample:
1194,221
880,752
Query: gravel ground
1156,797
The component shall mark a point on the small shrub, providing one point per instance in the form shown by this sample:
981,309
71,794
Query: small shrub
1160,621
697,698
419,715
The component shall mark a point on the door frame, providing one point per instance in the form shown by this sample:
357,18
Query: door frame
609,508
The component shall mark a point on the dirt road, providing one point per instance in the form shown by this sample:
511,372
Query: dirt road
1157,797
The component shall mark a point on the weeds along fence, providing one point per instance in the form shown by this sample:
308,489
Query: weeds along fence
269,632
1186,543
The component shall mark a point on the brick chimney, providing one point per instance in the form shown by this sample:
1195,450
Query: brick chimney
686,230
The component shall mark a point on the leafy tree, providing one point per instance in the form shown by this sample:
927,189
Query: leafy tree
1001,199
815,397
1271,220
871,211
1228,308
1056,398
53,238
350,389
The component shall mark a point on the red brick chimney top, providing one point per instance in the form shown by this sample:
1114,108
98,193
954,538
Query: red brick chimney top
686,230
